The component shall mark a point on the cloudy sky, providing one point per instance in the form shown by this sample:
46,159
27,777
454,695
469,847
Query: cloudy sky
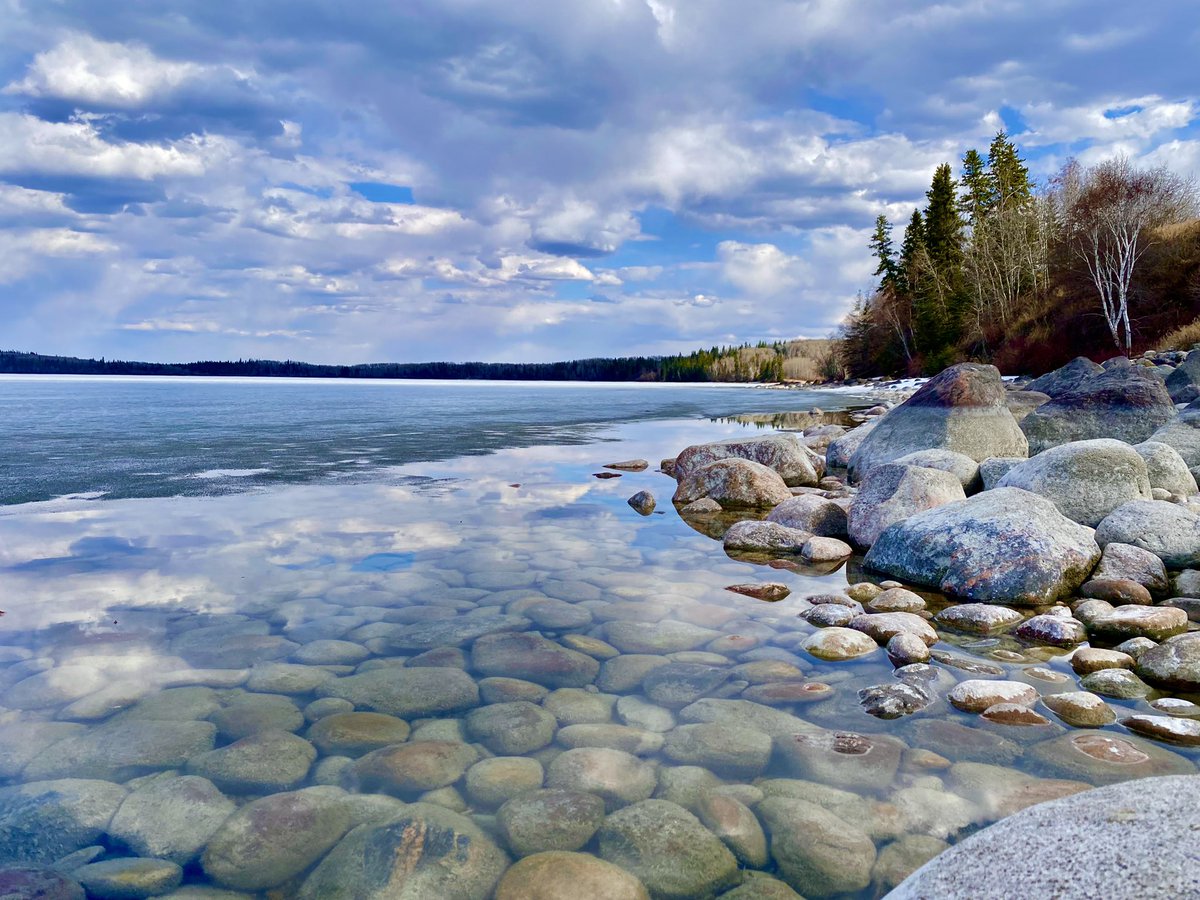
532,180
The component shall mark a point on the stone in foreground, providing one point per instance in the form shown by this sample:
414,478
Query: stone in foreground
1002,546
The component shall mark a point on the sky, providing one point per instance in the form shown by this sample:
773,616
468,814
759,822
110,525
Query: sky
521,181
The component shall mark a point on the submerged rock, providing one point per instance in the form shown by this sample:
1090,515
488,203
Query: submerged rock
734,484
817,852
42,821
555,874
1006,545
550,819
172,818
407,693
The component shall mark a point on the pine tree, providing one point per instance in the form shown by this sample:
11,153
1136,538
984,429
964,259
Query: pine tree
1011,186
975,202
911,250
939,298
881,247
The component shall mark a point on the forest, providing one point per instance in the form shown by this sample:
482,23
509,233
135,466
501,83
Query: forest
1099,260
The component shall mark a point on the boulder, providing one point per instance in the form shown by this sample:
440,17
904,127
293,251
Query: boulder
1175,663
1086,480
1182,383
1169,531
961,466
753,536
1022,403
735,484
1120,842
1066,379
1166,468
1123,403
993,469
840,450
812,514
1002,546
1183,433
962,409
893,492
1127,562
783,452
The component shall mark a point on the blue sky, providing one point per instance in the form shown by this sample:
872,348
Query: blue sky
472,179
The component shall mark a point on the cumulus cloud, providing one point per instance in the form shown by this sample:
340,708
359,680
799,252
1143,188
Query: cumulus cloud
557,178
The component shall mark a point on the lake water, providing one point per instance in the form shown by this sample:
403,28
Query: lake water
208,583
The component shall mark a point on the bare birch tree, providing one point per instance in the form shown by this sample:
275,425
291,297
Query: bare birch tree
1108,214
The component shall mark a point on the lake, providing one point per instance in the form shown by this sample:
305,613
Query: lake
384,639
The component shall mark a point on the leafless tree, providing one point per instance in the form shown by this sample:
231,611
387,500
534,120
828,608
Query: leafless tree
1108,214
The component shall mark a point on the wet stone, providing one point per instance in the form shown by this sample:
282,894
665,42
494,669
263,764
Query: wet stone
838,644
21,742
896,600
265,761
1101,758
1155,622
1173,664
491,782
733,752
326,706
616,737
511,729
668,849
817,852
829,615
632,710
412,768
556,874
1118,683
331,653
53,687
356,733
1117,591
661,637
1057,631
34,883
286,678
906,649
506,690
119,750
901,858
1184,732
977,695
893,700
617,777
545,820
575,706
251,713
1013,714
171,818
1093,659
406,693
675,685
843,759
786,693
455,632
962,743
882,627
737,827
532,658
448,657
593,647
43,821
1082,709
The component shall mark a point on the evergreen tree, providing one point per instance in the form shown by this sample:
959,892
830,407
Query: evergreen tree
911,249
1009,176
885,254
975,202
939,298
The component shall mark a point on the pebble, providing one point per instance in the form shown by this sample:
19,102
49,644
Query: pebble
837,644
896,600
1185,732
414,767
905,649
356,733
263,762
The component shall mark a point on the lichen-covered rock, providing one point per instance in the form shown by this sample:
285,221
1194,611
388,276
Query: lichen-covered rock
1128,404
1003,546
1183,433
1169,531
783,452
961,466
1125,561
735,484
1086,480
962,409
1166,468
1174,663
893,492
842,449
752,536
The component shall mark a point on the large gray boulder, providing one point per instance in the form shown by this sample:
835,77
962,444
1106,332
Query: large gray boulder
1185,380
1125,403
840,450
1121,842
735,484
785,453
1183,433
811,513
961,466
963,409
1002,546
1086,480
1166,468
1068,378
892,492
1169,531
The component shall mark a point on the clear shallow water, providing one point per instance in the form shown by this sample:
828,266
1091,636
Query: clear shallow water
119,612
165,437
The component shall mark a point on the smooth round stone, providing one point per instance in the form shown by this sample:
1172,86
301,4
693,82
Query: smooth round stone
635,711
1081,709
760,886
1184,732
1093,659
34,883
816,851
668,849
119,750
331,653
356,733
286,678
1155,622
425,851
884,626
1135,646
415,767
545,820
976,695
556,874
863,592
1173,664
1013,714
439,730
663,637
962,743
829,615
267,761
906,649
492,782
575,706
593,647
843,759
128,877
1052,629
766,671
1050,676
21,742
43,821
785,693
558,615
820,549
617,737
326,706
901,858
407,693
1118,591
1101,758
506,690
1119,683
837,644
448,657
737,827
533,658
978,618
171,818
896,600
332,770
511,729
1089,611
1173,706
54,687
736,752
268,841
676,684
253,713
615,776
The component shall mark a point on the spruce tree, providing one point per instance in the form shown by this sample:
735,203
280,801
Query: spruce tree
1011,186
975,202
940,300
910,251
881,247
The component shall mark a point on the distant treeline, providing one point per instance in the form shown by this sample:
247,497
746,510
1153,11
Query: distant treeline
761,363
